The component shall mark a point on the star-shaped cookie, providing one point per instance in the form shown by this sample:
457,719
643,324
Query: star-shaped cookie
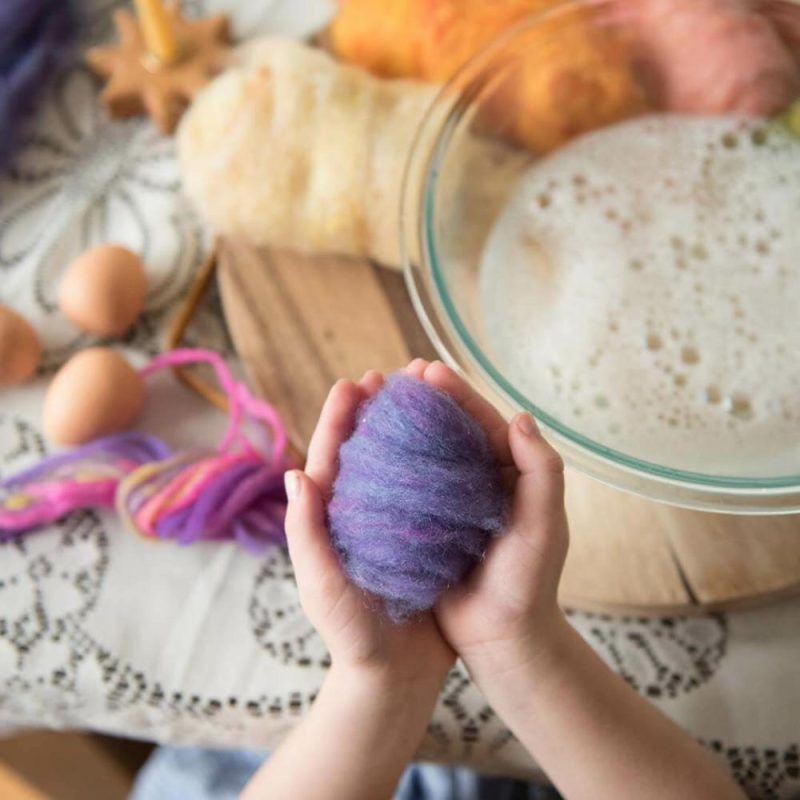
138,83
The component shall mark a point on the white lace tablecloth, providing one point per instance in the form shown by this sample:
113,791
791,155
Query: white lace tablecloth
100,629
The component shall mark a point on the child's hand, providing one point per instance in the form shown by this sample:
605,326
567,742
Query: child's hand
551,689
559,699
356,631
506,613
377,699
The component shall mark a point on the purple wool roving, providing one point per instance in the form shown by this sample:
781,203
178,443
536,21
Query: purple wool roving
417,497
36,38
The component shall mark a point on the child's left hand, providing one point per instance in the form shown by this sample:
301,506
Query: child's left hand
356,631
377,699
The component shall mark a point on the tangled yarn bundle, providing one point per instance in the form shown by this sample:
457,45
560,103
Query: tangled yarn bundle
417,497
209,496
234,492
83,478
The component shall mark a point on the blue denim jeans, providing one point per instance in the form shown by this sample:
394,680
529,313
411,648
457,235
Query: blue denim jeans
179,773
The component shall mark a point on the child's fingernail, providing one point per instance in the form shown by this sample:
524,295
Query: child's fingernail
291,481
526,424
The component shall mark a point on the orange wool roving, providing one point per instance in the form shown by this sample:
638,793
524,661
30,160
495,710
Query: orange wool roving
575,76
426,39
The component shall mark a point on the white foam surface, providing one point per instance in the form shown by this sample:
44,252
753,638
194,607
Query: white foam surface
643,286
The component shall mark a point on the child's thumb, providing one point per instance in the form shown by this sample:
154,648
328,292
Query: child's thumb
307,529
539,495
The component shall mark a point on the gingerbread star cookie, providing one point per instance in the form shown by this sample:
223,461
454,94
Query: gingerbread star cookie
138,83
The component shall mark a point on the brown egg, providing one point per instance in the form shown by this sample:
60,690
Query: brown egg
95,393
20,350
103,290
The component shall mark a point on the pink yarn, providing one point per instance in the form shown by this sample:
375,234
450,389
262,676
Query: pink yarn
241,401
233,492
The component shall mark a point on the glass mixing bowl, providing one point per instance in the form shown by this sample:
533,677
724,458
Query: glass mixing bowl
561,112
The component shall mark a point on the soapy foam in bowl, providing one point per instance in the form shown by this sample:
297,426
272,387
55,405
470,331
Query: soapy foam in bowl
641,287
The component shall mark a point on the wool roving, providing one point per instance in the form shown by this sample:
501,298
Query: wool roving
35,38
417,497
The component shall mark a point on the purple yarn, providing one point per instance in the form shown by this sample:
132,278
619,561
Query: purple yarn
129,447
86,477
417,497
35,37
245,502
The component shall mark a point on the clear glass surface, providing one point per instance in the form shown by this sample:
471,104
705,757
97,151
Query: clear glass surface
490,140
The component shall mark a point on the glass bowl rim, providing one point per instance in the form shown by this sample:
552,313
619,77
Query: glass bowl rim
451,94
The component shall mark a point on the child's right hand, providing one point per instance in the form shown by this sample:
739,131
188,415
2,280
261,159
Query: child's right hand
506,615
593,735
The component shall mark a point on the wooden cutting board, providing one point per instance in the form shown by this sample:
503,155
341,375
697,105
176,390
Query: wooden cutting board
299,324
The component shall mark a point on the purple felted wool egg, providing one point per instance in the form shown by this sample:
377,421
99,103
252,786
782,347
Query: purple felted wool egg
417,498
